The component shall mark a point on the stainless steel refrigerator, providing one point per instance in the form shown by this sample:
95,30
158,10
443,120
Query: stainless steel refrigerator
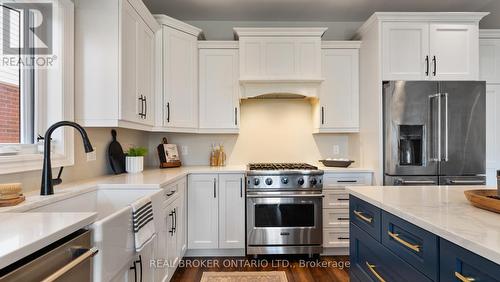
434,132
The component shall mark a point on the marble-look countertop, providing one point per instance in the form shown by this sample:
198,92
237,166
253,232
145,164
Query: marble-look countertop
442,210
25,233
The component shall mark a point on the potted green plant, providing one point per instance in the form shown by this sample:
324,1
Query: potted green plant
134,160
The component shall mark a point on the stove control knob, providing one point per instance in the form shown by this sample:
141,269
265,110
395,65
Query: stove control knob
269,181
256,181
284,180
301,181
313,181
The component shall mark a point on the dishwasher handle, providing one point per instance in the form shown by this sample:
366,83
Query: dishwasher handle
74,263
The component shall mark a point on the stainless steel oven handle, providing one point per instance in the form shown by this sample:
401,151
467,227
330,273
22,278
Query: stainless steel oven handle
74,263
287,196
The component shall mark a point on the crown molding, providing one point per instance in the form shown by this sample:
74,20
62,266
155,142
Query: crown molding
179,25
279,31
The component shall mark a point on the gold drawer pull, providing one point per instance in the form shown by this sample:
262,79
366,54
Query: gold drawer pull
371,267
363,217
463,278
395,236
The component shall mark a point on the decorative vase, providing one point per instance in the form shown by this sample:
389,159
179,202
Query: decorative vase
134,164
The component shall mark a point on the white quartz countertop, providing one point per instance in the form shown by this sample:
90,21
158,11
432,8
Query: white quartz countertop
24,233
442,210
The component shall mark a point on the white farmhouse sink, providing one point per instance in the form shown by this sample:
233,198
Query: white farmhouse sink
112,232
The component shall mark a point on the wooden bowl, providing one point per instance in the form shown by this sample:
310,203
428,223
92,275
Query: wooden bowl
486,199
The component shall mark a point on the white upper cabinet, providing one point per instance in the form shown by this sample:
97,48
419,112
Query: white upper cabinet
280,53
405,48
454,48
219,87
338,108
429,46
180,74
114,90
489,56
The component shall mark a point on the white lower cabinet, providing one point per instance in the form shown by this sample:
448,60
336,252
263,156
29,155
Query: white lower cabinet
216,211
171,230
140,269
336,209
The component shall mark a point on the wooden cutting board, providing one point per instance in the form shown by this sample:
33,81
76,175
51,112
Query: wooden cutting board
12,202
486,199
116,156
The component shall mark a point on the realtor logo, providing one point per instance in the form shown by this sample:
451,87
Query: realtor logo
31,20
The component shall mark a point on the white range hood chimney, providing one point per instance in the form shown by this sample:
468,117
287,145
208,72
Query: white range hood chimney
280,62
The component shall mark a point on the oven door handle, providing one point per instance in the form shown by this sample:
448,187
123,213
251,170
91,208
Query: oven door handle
287,196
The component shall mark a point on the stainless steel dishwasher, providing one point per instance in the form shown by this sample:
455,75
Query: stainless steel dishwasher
69,259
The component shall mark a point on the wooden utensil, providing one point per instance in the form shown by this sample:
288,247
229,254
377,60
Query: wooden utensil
486,199
116,156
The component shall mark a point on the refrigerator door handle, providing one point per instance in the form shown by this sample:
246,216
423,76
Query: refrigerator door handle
445,95
436,157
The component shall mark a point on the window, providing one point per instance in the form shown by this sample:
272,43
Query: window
17,91
36,81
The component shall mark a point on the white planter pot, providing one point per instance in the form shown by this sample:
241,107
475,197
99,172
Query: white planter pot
134,164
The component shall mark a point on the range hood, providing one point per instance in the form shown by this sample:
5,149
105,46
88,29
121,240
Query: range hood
280,62
280,89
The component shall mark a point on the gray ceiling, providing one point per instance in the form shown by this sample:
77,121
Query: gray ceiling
307,10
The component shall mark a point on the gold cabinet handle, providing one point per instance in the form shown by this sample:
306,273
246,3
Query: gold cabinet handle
363,217
395,236
371,267
462,278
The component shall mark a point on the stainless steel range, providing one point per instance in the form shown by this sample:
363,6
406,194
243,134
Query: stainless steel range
284,209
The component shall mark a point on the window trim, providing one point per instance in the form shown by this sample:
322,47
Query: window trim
58,83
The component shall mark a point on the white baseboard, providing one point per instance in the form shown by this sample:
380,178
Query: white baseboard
215,253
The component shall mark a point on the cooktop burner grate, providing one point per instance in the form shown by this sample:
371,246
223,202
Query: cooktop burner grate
281,166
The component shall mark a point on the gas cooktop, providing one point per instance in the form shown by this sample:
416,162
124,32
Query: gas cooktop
281,166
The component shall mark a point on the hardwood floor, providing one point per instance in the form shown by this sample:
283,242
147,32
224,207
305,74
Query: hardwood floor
297,268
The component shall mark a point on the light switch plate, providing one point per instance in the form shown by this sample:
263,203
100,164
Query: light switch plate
336,149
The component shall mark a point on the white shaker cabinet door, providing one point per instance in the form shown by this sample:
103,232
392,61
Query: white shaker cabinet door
405,51
492,133
231,211
180,81
203,209
130,105
339,95
489,60
454,51
145,73
219,90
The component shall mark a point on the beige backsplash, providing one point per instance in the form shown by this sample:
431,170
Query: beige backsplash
270,131
100,138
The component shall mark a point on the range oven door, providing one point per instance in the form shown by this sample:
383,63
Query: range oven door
284,220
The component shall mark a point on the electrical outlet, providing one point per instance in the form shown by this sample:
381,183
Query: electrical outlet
336,150
184,150
92,156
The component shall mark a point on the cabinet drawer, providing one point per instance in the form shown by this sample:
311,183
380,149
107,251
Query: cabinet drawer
335,218
366,216
341,180
411,243
458,263
335,200
370,261
335,237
